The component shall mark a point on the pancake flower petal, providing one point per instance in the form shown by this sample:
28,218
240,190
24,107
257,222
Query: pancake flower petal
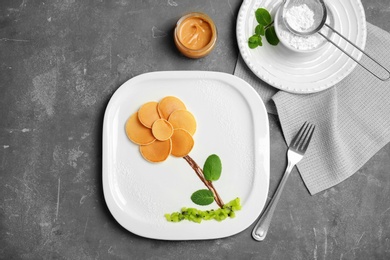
183,119
148,113
168,105
137,132
157,151
182,143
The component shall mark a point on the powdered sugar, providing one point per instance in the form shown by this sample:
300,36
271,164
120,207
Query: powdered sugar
300,42
299,18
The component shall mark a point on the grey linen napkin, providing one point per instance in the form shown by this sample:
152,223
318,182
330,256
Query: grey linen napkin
352,118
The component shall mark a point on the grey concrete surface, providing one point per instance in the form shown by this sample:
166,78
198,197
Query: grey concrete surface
60,62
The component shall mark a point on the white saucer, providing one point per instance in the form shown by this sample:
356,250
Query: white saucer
303,72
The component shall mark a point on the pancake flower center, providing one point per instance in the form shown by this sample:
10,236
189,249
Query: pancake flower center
162,130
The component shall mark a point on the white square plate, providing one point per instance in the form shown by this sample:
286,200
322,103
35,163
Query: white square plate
231,122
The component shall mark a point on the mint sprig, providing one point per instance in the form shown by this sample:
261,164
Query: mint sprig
264,28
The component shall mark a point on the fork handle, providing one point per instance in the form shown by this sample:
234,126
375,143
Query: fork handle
260,230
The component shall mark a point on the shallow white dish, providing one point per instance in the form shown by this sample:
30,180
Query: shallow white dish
303,72
232,123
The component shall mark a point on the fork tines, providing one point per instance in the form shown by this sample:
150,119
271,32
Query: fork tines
302,139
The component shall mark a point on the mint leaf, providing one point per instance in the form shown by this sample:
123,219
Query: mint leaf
254,41
202,197
271,36
212,167
263,17
259,30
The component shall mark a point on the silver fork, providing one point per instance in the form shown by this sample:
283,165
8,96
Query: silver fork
296,150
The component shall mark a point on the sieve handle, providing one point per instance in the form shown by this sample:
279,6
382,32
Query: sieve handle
349,55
